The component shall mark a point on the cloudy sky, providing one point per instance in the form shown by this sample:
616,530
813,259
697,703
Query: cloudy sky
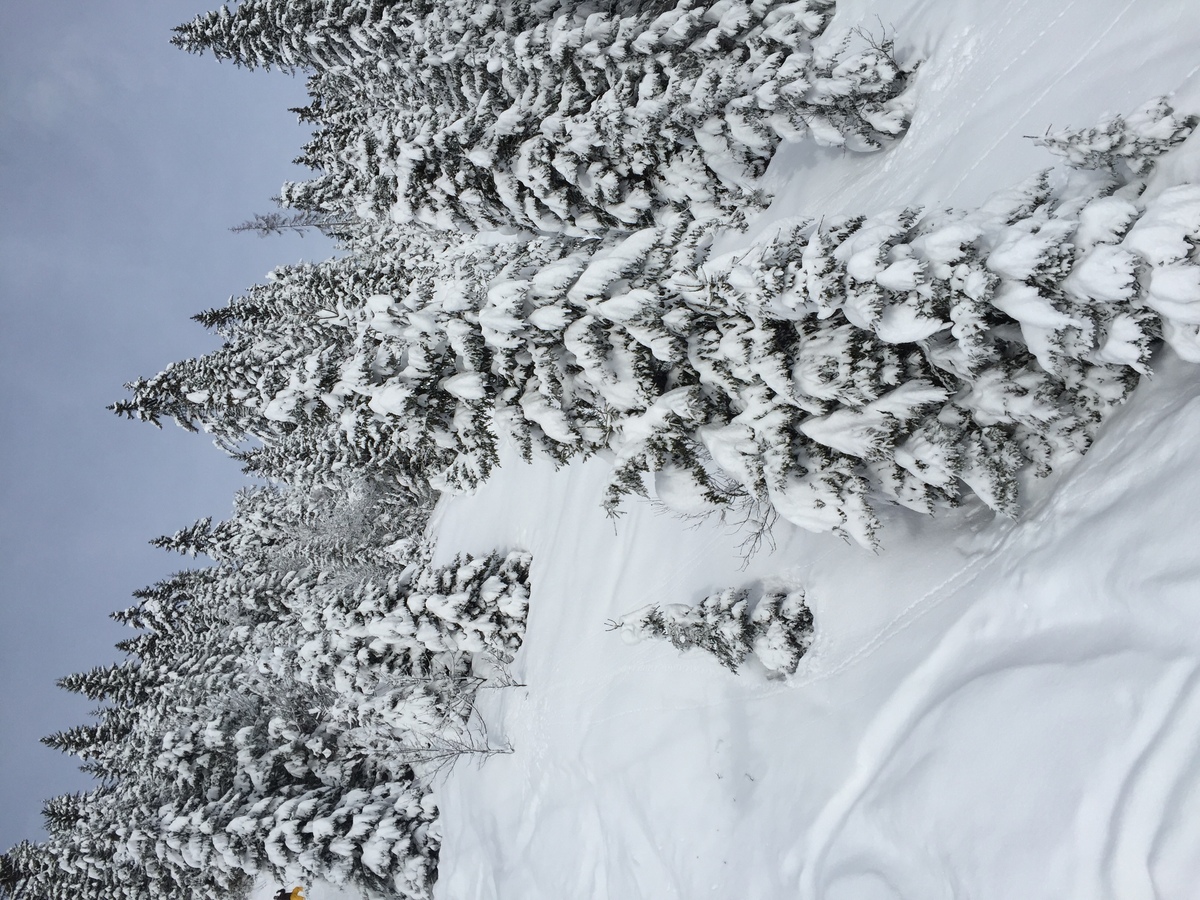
123,161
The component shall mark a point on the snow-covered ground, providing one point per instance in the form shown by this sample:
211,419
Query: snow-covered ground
991,708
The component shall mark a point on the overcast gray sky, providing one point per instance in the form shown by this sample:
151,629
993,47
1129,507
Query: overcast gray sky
123,161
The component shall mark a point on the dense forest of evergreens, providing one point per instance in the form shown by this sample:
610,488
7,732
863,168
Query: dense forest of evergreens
526,197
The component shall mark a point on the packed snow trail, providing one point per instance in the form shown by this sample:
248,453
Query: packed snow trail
991,709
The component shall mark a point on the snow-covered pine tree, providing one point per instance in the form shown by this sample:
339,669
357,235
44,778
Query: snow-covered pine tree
280,711
120,683
490,117
782,625
291,35
1125,145
78,864
290,374
719,624
912,356
962,346
909,357
777,631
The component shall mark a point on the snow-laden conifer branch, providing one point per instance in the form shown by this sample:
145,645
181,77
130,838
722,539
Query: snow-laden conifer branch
1124,145
265,224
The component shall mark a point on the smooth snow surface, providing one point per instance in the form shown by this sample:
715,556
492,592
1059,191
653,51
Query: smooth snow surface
991,708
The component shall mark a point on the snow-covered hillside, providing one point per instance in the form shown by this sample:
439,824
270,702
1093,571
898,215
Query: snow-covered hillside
991,708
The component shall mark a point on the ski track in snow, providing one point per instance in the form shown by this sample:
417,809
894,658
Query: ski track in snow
988,92
943,676
1007,133
1121,850
976,566
961,658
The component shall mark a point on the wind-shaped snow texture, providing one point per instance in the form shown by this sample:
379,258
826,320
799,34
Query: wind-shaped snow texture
991,708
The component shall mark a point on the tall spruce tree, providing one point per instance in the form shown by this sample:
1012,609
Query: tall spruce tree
572,116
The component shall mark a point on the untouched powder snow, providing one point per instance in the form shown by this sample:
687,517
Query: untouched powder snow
991,708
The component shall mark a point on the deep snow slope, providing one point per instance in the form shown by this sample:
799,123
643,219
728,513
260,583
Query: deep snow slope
991,709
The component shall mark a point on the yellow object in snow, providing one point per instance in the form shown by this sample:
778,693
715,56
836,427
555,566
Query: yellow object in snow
296,894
